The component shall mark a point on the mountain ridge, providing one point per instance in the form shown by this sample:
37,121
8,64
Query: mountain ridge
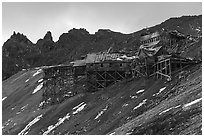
77,42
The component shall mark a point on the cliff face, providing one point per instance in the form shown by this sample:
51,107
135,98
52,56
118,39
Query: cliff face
20,53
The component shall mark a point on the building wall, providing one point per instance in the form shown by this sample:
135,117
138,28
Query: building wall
111,65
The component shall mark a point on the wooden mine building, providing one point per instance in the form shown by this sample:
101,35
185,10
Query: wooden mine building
156,58
103,74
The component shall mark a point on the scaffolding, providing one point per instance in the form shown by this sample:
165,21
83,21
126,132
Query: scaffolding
103,74
166,68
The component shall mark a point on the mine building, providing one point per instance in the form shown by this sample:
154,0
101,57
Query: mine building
157,57
158,54
103,70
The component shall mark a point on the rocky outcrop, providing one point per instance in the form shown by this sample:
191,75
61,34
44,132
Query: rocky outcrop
46,44
48,36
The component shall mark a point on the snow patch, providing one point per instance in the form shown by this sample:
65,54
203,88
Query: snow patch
18,112
37,72
128,133
168,109
4,98
80,108
25,130
113,133
38,88
24,107
40,105
133,97
161,90
142,103
60,121
40,80
27,80
191,103
197,30
13,108
99,114
140,91
124,105
8,122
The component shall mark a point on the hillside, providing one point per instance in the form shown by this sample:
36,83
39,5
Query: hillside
33,104
20,53
137,106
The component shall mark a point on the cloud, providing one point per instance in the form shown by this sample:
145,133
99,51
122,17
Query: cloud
34,19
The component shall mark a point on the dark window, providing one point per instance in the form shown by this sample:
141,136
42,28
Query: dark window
110,65
101,64
121,64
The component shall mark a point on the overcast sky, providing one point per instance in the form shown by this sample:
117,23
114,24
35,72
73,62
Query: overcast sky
35,19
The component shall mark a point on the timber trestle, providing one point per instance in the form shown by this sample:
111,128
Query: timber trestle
166,68
103,74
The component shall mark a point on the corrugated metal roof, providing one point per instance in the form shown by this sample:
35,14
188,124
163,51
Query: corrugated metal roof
152,35
148,45
148,52
93,58
78,63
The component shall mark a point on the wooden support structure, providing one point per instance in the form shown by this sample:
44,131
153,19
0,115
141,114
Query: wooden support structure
166,68
103,74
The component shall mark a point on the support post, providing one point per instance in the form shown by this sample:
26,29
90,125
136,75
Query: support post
157,70
170,67
180,66
161,69
166,67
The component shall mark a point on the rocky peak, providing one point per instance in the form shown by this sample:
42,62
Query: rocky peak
79,31
19,37
48,36
103,32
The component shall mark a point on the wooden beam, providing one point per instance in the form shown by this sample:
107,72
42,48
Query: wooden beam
170,68
163,74
166,67
101,75
111,76
120,75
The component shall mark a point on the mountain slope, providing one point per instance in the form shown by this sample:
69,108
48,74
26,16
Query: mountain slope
31,105
129,107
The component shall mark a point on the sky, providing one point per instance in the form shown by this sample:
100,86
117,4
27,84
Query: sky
34,19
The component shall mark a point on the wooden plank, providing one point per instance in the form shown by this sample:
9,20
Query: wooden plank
166,68
101,75
163,74
120,75
170,68
111,76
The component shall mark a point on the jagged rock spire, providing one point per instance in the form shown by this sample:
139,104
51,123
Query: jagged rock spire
48,36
